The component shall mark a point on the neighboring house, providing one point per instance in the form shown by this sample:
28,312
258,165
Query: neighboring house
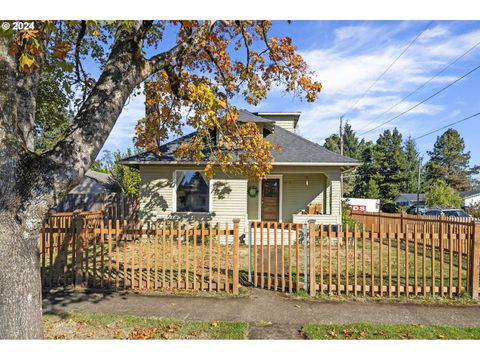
407,199
304,182
470,198
88,195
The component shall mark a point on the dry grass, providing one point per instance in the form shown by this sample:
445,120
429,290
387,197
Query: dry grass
75,326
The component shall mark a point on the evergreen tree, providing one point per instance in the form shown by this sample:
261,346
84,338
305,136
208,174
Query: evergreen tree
332,143
350,142
372,191
364,182
449,161
352,147
412,160
389,164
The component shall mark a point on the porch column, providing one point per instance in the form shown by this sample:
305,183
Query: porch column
336,194
327,195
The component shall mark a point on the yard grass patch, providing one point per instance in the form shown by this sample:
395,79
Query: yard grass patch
101,326
360,331
464,300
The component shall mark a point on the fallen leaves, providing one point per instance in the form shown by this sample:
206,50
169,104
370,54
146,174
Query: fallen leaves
142,333
362,334
347,333
332,333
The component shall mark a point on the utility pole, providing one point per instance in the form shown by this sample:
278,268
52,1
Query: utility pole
341,152
341,135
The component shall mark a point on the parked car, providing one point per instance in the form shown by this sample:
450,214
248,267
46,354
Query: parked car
412,210
456,213
434,212
448,212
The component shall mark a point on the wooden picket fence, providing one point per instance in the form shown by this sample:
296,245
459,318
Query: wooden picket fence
278,255
90,251
84,250
402,219
435,259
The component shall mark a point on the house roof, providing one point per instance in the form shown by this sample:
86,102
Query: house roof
411,196
295,150
468,194
247,116
93,182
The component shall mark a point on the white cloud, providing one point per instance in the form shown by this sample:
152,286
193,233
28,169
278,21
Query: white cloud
346,70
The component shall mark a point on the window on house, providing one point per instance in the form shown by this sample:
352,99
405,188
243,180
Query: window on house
193,193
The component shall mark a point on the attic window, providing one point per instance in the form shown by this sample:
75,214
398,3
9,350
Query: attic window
266,132
192,192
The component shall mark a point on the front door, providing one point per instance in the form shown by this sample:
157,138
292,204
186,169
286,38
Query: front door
270,199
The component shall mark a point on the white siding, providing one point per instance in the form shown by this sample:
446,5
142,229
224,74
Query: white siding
252,203
285,121
299,190
228,196
229,199
336,194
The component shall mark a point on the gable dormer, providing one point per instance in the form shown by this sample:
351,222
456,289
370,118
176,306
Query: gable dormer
286,120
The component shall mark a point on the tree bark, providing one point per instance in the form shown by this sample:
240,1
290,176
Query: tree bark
30,184
20,289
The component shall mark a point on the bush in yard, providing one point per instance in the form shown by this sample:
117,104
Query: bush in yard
439,194
347,219
389,208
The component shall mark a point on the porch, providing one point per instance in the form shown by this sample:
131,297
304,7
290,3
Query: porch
296,196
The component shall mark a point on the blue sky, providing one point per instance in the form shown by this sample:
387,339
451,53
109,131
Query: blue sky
348,56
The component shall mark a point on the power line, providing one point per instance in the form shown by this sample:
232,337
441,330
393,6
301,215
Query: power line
421,102
388,68
425,83
446,126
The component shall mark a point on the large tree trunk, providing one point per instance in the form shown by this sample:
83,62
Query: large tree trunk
20,291
30,184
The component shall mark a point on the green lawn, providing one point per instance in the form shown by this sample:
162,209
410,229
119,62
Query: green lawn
97,326
360,331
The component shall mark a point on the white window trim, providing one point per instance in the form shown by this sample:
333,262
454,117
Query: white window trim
174,193
280,199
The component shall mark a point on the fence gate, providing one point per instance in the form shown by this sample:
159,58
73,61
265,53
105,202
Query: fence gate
278,256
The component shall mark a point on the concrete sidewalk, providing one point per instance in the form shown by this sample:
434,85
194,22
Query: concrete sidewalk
262,307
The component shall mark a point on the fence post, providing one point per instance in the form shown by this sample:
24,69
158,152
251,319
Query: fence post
311,241
249,252
305,257
78,241
236,242
475,262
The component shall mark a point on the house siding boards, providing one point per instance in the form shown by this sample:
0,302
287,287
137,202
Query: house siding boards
336,195
285,122
297,194
252,202
228,196
229,199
